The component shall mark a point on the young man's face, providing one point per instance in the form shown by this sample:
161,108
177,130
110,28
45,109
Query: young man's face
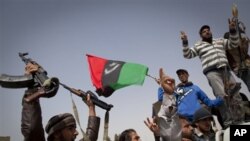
183,77
68,134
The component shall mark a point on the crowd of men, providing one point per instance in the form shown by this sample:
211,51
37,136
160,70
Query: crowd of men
183,112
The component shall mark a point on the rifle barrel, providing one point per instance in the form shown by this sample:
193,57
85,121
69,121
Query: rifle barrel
74,91
83,95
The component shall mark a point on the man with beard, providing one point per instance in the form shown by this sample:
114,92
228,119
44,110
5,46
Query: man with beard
203,127
61,127
216,68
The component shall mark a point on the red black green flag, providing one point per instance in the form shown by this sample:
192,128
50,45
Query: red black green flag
110,75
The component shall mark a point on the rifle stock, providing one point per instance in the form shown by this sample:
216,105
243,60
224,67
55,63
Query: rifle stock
93,97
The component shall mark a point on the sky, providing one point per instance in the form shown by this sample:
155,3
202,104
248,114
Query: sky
59,33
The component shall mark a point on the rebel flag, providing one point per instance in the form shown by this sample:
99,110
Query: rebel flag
110,75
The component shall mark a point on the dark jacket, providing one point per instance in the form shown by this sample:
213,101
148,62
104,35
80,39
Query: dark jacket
31,122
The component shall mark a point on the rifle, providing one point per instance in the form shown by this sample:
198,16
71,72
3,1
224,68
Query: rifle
93,97
47,86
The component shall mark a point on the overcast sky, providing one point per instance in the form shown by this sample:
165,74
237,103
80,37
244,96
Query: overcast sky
59,33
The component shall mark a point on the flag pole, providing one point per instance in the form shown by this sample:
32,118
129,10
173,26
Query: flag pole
152,77
156,80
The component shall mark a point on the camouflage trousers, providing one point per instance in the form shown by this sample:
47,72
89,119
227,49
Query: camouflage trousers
236,108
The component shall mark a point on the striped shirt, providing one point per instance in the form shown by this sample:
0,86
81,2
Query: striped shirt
213,55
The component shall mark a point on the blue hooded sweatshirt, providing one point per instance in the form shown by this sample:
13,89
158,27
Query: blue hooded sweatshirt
189,98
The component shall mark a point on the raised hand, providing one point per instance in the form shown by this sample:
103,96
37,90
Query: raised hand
31,68
183,36
167,83
151,124
232,23
91,106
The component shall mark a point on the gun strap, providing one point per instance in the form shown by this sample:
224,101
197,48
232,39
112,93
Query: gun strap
77,118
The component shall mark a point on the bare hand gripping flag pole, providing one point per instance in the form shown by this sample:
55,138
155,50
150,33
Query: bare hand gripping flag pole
110,75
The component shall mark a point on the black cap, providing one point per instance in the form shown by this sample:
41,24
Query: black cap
201,113
181,70
203,27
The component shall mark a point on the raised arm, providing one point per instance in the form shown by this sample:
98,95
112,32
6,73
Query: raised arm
31,120
234,39
166,82
187,52
93,121
206,100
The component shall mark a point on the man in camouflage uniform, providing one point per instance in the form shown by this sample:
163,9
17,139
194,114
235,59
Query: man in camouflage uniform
238,58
